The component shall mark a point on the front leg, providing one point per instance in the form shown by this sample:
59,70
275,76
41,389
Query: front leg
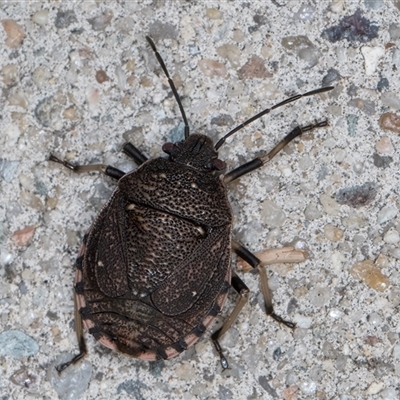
260,161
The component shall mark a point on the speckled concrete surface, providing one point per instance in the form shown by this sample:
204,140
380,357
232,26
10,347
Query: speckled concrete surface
78,79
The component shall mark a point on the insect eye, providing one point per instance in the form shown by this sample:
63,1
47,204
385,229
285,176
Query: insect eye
218,164
167,147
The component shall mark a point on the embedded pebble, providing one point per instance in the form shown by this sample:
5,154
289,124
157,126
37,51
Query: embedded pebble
308,387
333,233
222,120
374,388
331,207
373,4
390,99
305,163
254,68
17,344
367,106
303,48
41,17
396,57
160,30
391,236
312,212
382,84
390,122
384,145
332,76
382,161
231,53
101,22
357,196
372,56
394,31
121,77
272,214
370,275
23,236
65,19
48,112
354,28
15,33
352,121
9,74
212,68
213,13
302,321
263,381
305,13
340,362
73,381
386,214
354,221
8,169
375,319
319,296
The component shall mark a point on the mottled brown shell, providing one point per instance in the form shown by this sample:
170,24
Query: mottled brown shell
154,268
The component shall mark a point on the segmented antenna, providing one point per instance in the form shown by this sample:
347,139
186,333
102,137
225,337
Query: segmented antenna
259,115
171,84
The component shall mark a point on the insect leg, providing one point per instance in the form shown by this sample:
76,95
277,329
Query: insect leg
134,153
105,169
260,161
242,252
243,291
81,340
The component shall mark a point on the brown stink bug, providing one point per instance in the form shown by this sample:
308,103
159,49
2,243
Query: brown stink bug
154,269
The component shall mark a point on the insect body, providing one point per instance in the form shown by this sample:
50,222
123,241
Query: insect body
154,269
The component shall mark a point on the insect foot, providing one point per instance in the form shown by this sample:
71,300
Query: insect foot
154,269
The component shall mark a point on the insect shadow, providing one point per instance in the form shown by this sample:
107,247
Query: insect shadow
154,269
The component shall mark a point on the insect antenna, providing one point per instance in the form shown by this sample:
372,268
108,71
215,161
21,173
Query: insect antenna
259,115
171,84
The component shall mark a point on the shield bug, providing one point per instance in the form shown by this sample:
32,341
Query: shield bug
154,269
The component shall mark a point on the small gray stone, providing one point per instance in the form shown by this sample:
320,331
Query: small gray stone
48,113
224,393
386,213
272,214
265,385
101,22
8,169
305,13
366,106
222,120
394,31
303,48
352,120
373,4
17,344
160,30
390,99
382,161
132,387
65,18
312,212
328,350
340,362
74,380
331,77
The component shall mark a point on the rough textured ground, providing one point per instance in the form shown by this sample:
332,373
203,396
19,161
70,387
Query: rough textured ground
78,79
